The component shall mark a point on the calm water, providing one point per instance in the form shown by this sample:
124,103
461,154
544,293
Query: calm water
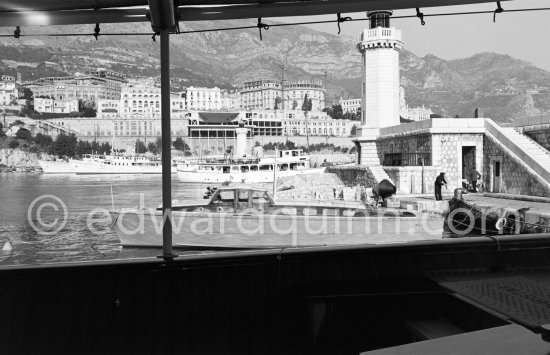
80,195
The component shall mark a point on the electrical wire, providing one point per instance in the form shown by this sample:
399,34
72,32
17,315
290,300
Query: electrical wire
274,25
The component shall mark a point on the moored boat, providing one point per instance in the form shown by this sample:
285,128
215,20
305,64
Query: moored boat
119,164
466,219
248,170
243,216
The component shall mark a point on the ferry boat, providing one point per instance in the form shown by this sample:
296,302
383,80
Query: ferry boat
248,170
244,216
67,166
120,164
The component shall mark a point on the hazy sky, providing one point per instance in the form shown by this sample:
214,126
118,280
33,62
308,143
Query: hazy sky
522,35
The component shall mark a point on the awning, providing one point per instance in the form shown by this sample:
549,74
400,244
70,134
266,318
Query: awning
217,118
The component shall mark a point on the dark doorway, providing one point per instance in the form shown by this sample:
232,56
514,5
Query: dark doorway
468,160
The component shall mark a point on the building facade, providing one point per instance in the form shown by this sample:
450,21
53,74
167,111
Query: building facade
271,95
231,100
202,99
295,123
8,90
55,106
140,99
350,105
91,86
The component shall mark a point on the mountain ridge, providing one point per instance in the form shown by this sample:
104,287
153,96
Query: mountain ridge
502,86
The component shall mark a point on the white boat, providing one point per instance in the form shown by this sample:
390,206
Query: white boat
248,170
120,164
242,216
64,166
56,166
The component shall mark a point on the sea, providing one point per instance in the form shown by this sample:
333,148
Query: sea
64,218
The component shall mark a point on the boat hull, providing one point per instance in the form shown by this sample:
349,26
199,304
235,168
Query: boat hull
249,177
250,229
93,168
56,167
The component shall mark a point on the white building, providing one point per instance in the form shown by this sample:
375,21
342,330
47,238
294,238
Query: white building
55,106
202,99
231,100
269,94
350,105
142,99
419,113
8,90
380,46
108,108
317,124
413,114
92,86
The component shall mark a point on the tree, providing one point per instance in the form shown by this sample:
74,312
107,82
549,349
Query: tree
43,141
338,112
13,144
26,93
86,108
152,147
306,107
354,130
16,123
140,147
294,104
158,143
23,133
2,134
180,145
65,145
278,101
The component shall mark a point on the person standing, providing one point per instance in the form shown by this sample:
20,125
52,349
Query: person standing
439,181
474,176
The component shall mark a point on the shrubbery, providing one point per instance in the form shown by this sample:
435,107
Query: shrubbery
312,147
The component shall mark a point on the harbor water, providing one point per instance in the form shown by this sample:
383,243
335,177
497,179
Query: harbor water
28,201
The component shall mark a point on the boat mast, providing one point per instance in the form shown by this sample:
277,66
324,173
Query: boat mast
275,173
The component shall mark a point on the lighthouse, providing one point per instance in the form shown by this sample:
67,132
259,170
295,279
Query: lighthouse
379,45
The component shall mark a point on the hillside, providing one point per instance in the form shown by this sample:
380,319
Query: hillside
503,87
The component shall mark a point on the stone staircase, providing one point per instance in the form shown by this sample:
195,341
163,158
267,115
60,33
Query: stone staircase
530,142
379,173
535,158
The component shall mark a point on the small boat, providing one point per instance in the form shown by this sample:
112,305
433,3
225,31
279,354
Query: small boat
466,218
244,216
248,169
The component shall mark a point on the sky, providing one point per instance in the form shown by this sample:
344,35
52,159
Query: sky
522,35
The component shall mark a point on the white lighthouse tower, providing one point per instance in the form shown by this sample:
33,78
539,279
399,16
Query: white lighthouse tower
380,45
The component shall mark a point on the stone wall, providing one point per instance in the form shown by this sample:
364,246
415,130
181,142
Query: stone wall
447,155
354,175
542,137
408,179
515,178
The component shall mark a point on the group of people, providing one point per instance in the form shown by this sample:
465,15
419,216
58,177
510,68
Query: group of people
440,182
